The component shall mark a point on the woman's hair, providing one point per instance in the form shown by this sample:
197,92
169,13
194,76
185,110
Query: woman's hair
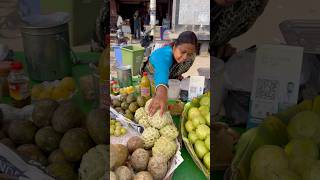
187,37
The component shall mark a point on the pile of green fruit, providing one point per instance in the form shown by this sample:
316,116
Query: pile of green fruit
128,104
62,138
116,128
198,127
285,146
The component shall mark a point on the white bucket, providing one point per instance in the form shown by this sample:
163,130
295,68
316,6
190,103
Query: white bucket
218,85
174,89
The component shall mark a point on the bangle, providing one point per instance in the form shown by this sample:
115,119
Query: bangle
163,86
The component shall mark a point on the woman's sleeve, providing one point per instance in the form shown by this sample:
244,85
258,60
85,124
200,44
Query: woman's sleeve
161,64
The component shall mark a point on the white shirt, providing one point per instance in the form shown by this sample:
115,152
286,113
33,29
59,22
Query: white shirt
119,21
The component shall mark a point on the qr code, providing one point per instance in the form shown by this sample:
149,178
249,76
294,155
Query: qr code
267,89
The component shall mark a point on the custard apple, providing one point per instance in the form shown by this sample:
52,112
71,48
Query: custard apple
170,131
144,122
94,163
140,113
159,122
164,147
149,136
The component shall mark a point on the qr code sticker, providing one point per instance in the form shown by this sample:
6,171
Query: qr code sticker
267,89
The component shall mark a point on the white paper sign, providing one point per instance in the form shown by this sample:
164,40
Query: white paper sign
276,81
196,86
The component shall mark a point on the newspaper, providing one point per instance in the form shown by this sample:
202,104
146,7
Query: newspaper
12,165
134,129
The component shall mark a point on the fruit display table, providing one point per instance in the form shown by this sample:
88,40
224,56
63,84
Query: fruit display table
186,171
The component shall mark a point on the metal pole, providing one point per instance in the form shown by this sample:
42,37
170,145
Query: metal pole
153,4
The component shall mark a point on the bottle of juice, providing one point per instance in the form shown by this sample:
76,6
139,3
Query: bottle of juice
104,79
145,85
115,88
19,86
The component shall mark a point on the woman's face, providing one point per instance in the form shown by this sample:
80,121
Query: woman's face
225,3
183,52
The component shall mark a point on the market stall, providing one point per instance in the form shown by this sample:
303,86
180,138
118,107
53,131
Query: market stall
278,122
129,106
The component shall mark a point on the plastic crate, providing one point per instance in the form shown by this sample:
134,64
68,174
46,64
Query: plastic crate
133,56
118,55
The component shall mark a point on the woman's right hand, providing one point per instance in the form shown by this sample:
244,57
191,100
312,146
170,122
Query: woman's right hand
159,101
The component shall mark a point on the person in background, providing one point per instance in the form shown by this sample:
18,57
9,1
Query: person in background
169,62
137,24
166,22
230,19
119,22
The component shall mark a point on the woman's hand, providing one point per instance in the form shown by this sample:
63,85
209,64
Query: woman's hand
159,101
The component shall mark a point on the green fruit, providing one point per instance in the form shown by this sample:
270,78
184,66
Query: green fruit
113,127
205,101
195,122
124,105
123,97
198,120
206,160
127,111
118,127
204,110
200,149
189,126
187,106
207,117
133,107
195,102
117,132
123,131
118,124
302,148
119,109
116,103
207,142
129,116
111,131
192,136
203,131
47,139
141,101
112,122
75,143
130,98
193,112
305,124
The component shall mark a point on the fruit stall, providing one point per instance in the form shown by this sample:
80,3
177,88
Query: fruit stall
278,123
60,133
164,137
156,146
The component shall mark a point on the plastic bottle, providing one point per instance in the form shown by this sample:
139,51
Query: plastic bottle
104,79
145,85
18,86
115,88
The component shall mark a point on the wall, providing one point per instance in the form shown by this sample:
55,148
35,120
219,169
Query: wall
266,29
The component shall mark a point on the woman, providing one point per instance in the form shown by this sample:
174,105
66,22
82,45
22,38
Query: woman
169,62
137,24
230,19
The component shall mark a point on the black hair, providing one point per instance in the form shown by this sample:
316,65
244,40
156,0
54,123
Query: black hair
187,37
